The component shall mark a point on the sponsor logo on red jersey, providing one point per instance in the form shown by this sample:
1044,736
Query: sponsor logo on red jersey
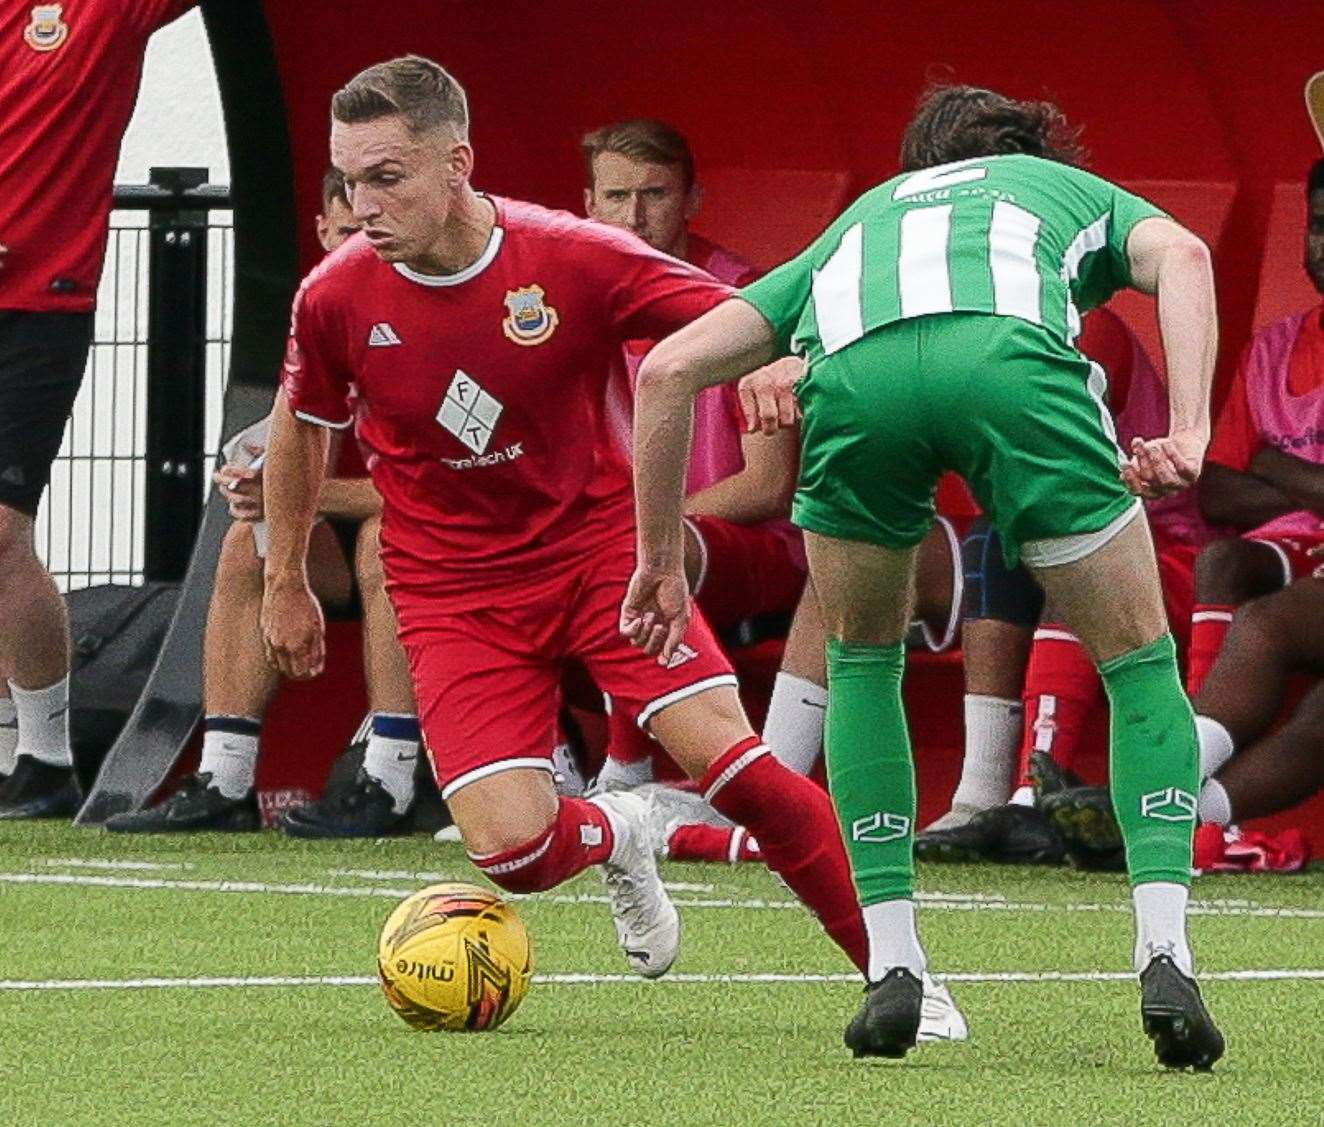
469,412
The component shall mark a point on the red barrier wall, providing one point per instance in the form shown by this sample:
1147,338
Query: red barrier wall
1168,90
1197,101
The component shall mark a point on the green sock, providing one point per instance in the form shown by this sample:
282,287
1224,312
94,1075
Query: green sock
1155,761
870,770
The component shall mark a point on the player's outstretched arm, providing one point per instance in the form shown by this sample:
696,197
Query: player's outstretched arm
292,625
719,347
1173,264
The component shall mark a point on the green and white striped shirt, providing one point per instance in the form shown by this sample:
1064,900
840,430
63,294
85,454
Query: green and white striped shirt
1015,236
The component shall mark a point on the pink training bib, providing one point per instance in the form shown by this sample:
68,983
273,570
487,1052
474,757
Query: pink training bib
1292,423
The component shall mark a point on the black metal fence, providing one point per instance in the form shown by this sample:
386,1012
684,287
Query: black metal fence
128,486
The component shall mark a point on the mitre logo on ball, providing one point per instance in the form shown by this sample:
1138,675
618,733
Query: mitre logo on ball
47,31
529,319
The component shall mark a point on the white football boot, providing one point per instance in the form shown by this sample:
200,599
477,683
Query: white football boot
670,807
647,923
940,1018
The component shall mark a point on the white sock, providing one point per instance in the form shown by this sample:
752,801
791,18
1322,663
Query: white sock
1021,796
43,722
8,735
230,758
1160,908
1213,805
616,775
992,737
392,763
794,726
1216,746
893,940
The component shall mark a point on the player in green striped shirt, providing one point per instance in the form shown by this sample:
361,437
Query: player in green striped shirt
938,315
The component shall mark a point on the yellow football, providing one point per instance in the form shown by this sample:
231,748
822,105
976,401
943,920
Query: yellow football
454,957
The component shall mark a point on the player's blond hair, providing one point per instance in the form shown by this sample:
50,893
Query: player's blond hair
960,122
417,90
642,139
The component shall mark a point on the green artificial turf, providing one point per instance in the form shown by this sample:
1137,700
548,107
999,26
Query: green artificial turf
1041,1052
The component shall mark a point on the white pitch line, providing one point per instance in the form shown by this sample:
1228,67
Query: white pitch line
1196,908
105,863
584,979
392,874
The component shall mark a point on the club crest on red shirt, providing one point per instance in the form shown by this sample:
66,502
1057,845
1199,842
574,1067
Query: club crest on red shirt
529,320
47,31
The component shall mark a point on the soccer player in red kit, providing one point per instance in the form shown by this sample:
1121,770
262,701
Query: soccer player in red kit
478,334
69,76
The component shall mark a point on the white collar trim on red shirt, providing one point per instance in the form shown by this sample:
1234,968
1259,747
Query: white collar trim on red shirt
470,272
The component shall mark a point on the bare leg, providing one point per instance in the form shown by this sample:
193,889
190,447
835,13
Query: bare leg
803,656
237,681
34,644
866,592
995,655
36,767
1270,639
1281,770
1111,599
936,570
384,661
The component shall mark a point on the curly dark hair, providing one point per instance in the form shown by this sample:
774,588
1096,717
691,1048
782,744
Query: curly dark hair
959,122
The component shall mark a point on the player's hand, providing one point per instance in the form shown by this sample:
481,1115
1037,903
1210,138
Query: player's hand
242,490
4,250
656,611
293,631
767,397
1160,466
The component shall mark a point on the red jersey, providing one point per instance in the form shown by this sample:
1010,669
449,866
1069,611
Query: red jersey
479,394
69,77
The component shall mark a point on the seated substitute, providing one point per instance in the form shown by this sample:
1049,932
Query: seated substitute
1252,766
1265,476
345,569
743,557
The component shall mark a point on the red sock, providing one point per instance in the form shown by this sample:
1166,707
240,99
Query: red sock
581,836
626,741
797,832
1062,686
1209,626
713,843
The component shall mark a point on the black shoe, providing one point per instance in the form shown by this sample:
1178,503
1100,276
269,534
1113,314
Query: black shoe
363,809
197,805
1175,1018
1009,835
1048,777
39,790
1087,823
888,1022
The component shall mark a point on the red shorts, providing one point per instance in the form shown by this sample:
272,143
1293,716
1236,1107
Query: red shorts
744,570
1294,552
488,681
1176,566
